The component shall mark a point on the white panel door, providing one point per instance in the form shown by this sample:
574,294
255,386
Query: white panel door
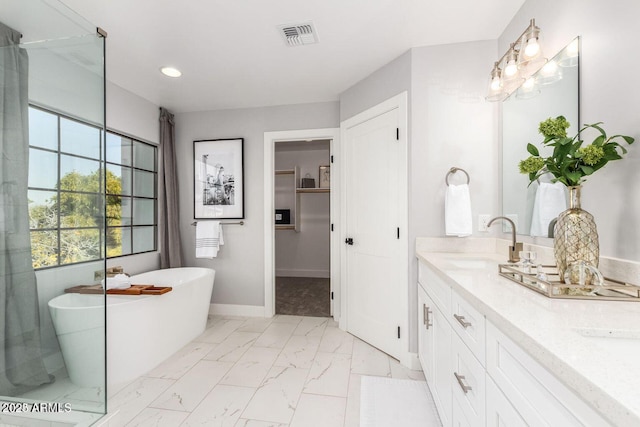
373,172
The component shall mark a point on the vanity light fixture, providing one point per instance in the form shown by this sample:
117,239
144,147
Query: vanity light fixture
550,73
523,58
570,57
170,72
530,48
529,89
495,84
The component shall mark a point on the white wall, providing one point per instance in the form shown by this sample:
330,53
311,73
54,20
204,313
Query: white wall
388,81
132,115
451,125
240,264
57,81
305,253
609,94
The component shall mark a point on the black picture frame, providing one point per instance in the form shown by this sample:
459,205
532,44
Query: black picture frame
218,178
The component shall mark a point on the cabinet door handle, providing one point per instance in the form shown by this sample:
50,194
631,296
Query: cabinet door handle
425,316
462,321
465,388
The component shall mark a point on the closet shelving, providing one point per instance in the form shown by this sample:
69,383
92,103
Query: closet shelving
296,191
291,184
312,190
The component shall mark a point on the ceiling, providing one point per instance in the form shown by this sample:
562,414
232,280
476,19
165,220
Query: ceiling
232,56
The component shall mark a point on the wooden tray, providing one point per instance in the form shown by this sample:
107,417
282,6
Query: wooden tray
156,290
133,290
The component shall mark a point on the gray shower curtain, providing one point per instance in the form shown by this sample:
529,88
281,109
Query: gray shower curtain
168,209
21,364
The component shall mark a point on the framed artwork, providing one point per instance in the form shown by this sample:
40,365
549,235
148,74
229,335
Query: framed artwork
325,177
218,178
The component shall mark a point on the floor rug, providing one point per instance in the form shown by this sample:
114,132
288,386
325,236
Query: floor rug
386,402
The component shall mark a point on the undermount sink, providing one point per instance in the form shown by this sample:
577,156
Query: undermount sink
472,263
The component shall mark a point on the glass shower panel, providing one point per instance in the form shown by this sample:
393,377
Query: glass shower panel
79,139
43,129
52,214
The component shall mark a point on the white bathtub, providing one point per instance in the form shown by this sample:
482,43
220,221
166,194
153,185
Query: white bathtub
142,330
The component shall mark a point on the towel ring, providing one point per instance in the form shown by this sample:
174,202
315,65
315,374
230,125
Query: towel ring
454,170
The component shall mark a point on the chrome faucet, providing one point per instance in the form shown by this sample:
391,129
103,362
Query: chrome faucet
516,247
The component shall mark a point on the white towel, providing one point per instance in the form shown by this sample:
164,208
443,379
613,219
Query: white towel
119,281
457,211
209,238
549,202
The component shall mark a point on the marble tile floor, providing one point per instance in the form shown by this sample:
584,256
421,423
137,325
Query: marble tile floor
255,372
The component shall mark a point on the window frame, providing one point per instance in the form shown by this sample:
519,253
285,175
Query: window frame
101,228
132,197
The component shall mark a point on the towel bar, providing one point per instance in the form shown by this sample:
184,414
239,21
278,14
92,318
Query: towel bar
194,223
454,170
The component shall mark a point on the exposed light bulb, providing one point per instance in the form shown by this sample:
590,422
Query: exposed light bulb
511,69
529,84
495,83
573,48
532,48
550,68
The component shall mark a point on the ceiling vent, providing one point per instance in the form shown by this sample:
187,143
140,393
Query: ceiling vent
299,34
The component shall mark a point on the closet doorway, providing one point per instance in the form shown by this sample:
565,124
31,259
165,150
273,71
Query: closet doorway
301,258
302,181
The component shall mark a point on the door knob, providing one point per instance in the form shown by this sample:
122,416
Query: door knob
348,241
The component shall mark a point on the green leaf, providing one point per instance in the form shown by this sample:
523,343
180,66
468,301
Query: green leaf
532,150
588,170
574,177
612,156
628,139
595,126
598,141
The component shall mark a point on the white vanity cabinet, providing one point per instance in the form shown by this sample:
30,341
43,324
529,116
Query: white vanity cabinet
540,398
480,377
434,339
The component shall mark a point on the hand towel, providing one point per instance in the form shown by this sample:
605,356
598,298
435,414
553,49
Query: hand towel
457,211
119,281
550,200
209,238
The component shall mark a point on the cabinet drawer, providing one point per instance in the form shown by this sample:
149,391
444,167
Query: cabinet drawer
500,412
425,335
435,287
539,396
470,325
468,382
459,418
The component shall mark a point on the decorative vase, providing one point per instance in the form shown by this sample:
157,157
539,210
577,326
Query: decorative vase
575,236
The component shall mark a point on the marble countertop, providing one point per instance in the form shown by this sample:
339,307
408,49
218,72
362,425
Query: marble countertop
593,347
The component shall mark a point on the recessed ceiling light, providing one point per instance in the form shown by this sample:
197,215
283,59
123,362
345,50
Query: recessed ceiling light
170,71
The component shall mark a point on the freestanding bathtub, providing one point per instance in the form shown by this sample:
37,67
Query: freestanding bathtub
142,330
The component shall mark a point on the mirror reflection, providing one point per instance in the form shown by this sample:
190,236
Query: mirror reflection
550,92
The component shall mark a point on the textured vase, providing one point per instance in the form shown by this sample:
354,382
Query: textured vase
576,236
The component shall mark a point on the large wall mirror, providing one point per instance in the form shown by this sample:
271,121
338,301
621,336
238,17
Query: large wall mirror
552,91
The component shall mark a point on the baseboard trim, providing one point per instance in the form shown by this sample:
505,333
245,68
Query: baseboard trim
413,362
236,310
322,274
